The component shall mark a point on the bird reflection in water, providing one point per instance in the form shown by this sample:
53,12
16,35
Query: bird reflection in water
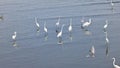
107,50
107,43
70,37
46,37
87,32
14,44
91,52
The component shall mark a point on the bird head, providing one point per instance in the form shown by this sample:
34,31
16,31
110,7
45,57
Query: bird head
113,58
15,32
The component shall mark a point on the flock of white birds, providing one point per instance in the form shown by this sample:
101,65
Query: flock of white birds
59,32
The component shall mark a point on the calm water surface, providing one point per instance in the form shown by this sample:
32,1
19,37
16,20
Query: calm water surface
32,50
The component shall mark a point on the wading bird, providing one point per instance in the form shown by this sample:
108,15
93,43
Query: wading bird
115,66
70,27
57,25
14,36
112,4
45,29
86,24
59,35
106,25
37,24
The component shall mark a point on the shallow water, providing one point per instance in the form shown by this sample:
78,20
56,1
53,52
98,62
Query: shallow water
33,50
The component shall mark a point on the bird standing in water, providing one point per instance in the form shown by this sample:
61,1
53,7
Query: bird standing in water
70,27
57,25
59,35
115,66
45,29
14,36
106,25
37,24
86,24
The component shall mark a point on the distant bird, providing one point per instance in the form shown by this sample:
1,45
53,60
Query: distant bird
70,26
107,40
59,35
106,25
37,24
92,51
86,24
14,36
115,66
58,22
112,4
45,29
57,25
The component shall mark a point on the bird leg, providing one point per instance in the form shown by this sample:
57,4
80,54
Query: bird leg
60,40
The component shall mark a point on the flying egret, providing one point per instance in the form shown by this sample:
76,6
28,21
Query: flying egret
57,25
86,24
14,36
106,25
115,66
92,51
59,35
37,24
45,29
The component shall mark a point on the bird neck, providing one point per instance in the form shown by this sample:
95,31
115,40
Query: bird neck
89,20
62,28
70,21
113,61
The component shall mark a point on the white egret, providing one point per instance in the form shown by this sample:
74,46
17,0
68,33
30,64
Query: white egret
115,66
106,25
59,35
57,25
58,22
70,26
45,29
37,24
86,24
14,36
112,4
92,51
107,40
